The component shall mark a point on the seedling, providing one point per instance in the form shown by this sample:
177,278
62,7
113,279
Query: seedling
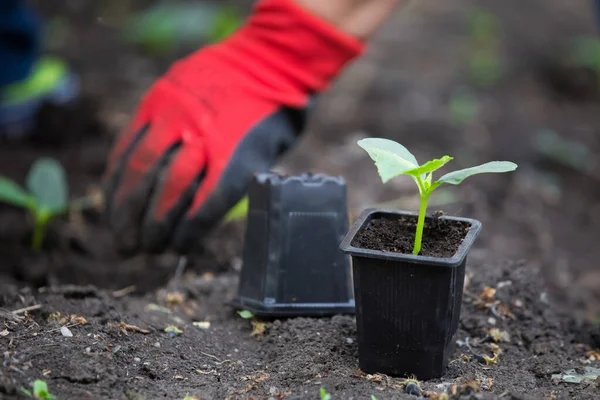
40,391
392,160
324,394
245,314
45,196
173,331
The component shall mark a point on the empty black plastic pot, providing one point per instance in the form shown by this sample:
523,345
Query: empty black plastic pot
407,307
292,265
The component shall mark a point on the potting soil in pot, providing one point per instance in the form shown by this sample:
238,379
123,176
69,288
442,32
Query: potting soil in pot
441,238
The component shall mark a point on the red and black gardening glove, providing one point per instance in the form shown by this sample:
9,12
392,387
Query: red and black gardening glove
216,118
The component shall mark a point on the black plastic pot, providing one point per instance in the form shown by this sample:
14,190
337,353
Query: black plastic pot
292,265
407,307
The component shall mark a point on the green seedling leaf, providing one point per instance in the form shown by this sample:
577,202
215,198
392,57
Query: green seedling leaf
456,177
47,182
324,394
238,212
173,331
245,314
14,194
429,167
391,158
40,390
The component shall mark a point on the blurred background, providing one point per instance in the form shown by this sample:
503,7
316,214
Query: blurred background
477,80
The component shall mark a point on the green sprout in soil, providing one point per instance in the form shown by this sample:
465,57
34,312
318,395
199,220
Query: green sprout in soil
45,196
324,394
40,391
245,314
392,160
173,331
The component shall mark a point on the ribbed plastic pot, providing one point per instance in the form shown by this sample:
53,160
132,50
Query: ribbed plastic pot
292,265
407,307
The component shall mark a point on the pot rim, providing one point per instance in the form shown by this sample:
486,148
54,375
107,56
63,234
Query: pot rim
455,260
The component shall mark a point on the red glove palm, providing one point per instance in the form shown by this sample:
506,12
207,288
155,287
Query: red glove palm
215,119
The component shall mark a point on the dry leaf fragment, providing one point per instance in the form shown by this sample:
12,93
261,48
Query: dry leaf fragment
499,336
207,276
375,378
491,360
125,327
504,311
4,332
201,325
258,378
488,295
174,299
76,319
58,317
436,396
593,354
488,385
201,372
64,320
258,328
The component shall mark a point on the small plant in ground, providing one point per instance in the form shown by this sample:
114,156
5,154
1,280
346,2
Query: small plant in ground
245,314
392,160
40,391
45,196
258,327
324,394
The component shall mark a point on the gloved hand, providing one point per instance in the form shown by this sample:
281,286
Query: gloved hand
216,118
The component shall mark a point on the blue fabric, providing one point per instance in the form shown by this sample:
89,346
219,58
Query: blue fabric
19,40
597,12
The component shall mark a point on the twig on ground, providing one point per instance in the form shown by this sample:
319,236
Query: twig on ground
125,291
26,309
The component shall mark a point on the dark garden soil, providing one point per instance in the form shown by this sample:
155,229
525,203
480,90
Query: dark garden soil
441,238
533,283
121,349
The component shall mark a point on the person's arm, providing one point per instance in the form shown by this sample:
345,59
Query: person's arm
357,18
